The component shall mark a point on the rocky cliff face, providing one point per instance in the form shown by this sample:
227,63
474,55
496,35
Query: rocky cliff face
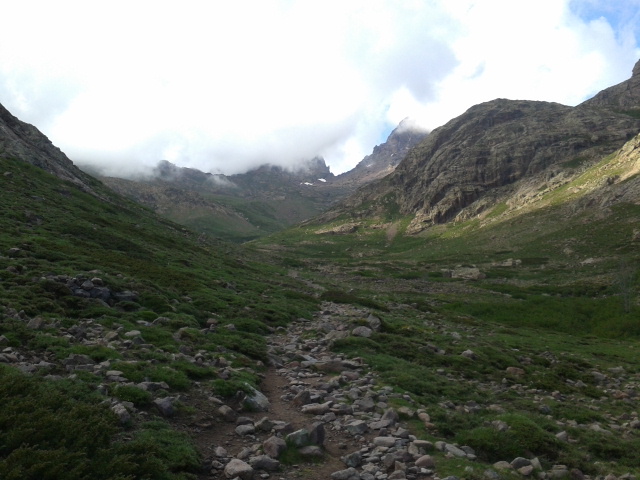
21,141
491,147
624,97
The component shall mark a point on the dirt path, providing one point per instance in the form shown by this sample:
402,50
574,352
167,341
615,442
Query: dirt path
211,431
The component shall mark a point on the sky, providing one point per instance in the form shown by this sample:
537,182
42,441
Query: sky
226,86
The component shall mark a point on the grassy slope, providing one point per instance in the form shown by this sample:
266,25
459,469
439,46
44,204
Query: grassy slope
560,314
59,230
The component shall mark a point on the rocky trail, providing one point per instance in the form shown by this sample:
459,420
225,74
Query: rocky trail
318,416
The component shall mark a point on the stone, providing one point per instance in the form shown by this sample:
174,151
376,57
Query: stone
274,446
303,397
347,474
455,451
221,452
165,406
362,331
425,461
526,470
36,323
246,429
317,434
397,475
311,452
391,416
469,354
518,372
352,460
264,424
238,468
317,408
299,438
384,441
520,462
331,366
264,462
356,427
227,413
256,401
122,413
374,322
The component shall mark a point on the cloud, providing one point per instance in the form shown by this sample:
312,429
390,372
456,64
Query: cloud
226,86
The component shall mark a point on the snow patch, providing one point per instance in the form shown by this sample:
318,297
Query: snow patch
322,180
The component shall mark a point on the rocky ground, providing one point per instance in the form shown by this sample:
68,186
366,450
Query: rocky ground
319,415
324,416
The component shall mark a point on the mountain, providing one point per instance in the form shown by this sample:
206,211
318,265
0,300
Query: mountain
385,157
480,157
116,322
21,141
263,200
504,344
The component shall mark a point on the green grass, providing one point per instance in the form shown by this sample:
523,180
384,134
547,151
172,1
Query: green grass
181,276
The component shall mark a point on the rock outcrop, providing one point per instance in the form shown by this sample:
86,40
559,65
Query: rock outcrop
22,141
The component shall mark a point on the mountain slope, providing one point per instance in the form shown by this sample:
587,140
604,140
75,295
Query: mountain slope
114,322
464,166
385,157
264,200
19,140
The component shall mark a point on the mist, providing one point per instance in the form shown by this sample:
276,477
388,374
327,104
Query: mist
208,86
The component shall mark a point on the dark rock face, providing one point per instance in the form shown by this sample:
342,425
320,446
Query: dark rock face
22,141
623,97
493,145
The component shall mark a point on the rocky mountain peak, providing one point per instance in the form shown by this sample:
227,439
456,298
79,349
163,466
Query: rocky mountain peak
386,156
624,96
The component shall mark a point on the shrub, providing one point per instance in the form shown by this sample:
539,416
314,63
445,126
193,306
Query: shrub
525,438
135,395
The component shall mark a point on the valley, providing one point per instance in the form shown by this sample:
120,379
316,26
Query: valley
470,312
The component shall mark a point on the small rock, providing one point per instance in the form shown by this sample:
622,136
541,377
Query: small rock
165,406
238,468
274,446
352,460
299,438
384,441
227,413
247,429
311,451
356,427
362,332
425,461
264,462
348,474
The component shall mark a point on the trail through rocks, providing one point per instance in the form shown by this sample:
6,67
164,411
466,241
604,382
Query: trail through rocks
318,416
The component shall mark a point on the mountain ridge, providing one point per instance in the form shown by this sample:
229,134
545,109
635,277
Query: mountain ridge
265,199
489,148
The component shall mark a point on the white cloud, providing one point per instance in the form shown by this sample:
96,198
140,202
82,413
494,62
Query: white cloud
225,86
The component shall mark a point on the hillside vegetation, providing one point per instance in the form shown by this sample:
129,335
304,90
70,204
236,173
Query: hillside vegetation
526,315
99,295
